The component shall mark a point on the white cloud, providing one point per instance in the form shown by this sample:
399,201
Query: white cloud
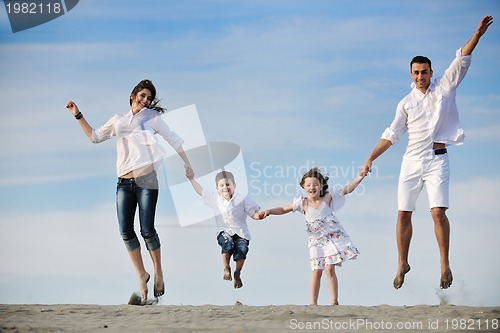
75,243
488,134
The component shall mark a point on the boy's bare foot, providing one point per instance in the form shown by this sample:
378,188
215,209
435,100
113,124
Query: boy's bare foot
400,277
227,274
446,279
159,288
143,287
237,280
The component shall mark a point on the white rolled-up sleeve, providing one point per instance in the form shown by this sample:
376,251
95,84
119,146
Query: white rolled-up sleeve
390,135
456,72
397,127
105,132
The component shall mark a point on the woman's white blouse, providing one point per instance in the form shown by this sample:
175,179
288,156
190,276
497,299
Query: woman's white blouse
137,143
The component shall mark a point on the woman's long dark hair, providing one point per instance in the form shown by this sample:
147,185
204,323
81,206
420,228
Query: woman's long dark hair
147,84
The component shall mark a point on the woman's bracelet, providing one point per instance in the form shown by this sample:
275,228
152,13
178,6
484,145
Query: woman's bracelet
79,115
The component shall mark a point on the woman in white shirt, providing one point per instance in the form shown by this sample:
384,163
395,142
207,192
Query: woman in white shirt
137,152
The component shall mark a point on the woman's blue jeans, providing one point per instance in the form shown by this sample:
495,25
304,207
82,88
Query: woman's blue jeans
139,192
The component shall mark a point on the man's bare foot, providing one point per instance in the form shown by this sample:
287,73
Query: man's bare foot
237,280
400,277
143,287
159,288
446,279
227,274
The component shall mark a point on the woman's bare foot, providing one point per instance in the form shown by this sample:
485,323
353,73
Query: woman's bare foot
143,287
446,279
400,277
227,274
159,288
237,280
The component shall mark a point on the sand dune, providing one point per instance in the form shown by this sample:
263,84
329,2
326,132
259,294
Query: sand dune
241,318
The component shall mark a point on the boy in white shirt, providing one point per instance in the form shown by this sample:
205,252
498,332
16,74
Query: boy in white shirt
231,210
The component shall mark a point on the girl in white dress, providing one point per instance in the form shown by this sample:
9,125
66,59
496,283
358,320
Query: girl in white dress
329,244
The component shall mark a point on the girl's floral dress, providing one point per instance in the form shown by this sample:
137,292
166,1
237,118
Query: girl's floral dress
329,244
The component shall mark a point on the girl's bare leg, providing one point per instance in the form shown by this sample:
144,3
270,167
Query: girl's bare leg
333,284
315,284
142,275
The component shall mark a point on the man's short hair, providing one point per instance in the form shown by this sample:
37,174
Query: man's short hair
420,60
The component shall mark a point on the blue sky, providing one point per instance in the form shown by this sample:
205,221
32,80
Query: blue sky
293,84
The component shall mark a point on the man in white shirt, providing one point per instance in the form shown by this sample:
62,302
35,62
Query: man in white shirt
429,114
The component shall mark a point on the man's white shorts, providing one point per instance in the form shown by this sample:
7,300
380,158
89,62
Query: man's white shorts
434,172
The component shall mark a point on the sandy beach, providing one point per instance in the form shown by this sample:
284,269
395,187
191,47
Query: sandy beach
242,318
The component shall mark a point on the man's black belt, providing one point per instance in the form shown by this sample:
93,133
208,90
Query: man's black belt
440,151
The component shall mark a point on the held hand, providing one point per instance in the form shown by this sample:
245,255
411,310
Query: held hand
367,167
71,106
484,25
263,215
189,172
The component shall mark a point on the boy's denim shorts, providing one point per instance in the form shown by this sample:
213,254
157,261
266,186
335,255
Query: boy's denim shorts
234,245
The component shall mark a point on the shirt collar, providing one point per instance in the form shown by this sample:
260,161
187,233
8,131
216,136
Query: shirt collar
432,87
131,115
235,199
